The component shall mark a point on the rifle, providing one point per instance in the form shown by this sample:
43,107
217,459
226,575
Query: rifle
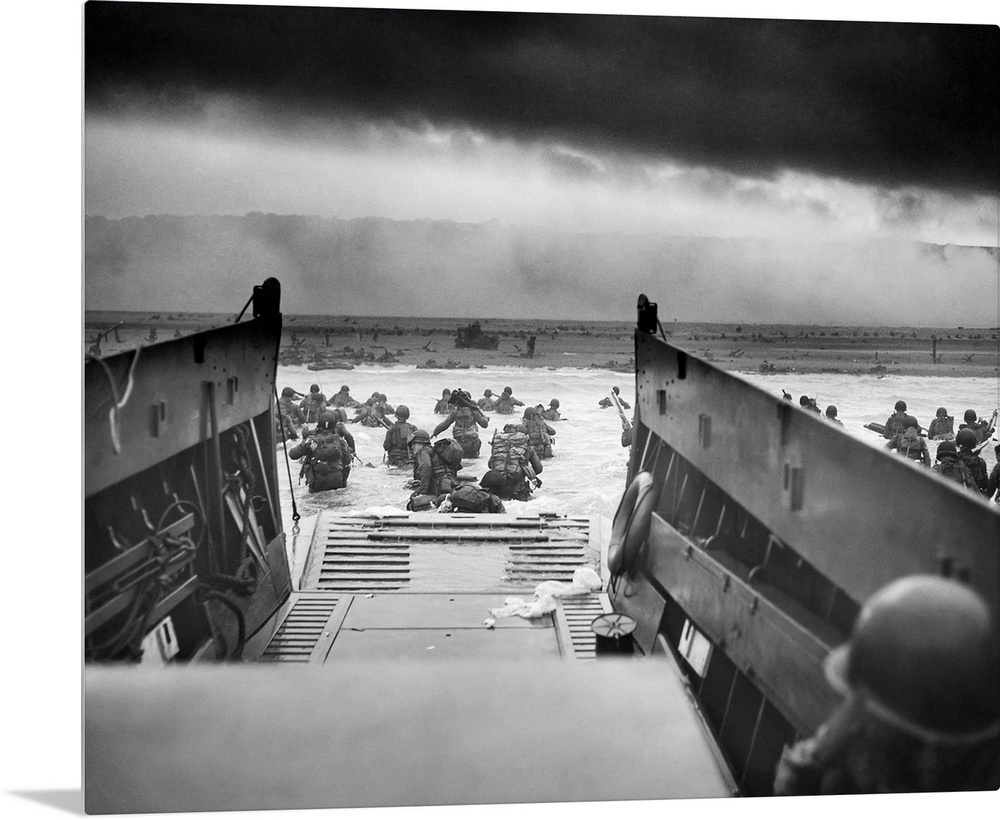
459,398
992,426
626,424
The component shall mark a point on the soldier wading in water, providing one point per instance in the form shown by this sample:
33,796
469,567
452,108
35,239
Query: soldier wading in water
326,457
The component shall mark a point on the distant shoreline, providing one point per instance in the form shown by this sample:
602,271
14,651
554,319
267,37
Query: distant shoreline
341,343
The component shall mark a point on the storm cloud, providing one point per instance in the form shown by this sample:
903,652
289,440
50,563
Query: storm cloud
874,103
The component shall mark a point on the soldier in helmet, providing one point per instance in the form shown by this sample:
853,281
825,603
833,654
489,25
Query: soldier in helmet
465,416
431,476
551,413
942,427
911,445
326,458
807,403
899,421
487,402
506,403
397,453
343,398
966,441
921,709
540,435
949,465
831,415
314,404
982,428
443,408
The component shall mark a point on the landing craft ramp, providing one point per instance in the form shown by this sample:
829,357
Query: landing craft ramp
423,584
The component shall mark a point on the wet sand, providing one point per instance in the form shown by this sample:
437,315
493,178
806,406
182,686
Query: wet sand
340,343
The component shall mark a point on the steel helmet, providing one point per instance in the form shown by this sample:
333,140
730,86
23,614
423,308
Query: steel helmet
402,411
970,415
831,410
487,392
900,405
946,447
493,480
345,389
941,412
923,658
287,393
554,403
508,390
418,437
313,388
327,421
966,438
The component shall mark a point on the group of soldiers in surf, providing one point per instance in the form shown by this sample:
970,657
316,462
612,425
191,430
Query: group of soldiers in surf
327,450
957,457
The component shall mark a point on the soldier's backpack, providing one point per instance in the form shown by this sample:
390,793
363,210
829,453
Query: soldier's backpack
956,470
450,452
510,452
469,498
911,446
976,467
329,448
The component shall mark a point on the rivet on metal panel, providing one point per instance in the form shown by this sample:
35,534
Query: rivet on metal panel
704,430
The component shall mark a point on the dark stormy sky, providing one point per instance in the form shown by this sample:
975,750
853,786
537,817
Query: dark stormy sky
717,127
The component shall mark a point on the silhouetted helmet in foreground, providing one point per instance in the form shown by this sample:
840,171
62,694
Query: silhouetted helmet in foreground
831,410
402,411
287,393
345,389
941,412
966,438
923,659
900,405
327,421
418,437
554,403
970,416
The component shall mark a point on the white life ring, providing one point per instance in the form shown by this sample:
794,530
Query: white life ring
632,521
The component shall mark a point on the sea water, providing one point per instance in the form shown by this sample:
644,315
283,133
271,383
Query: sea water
587,473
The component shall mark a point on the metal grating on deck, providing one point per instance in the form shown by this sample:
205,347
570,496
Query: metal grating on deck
307,631
361,554
574,616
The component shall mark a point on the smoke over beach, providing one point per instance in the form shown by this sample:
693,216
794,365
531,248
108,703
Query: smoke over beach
433,268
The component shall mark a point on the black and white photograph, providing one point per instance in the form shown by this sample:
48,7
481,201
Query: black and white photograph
490,409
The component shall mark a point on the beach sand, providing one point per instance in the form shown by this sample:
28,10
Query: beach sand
340,343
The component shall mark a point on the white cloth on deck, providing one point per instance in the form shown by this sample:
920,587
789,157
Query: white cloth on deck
585,580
